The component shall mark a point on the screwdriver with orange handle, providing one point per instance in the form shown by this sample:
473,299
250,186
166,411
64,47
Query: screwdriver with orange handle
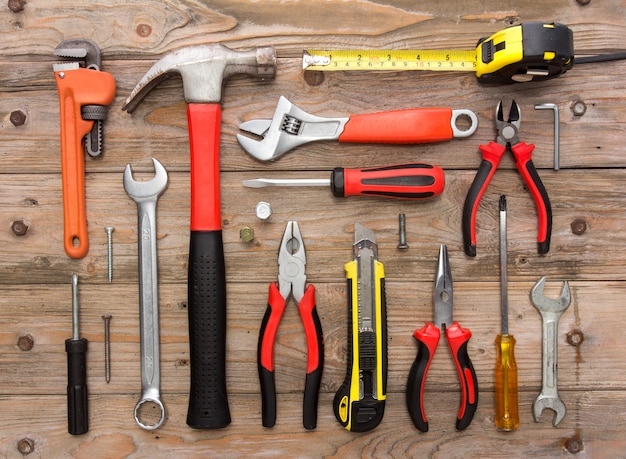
507,410
403,181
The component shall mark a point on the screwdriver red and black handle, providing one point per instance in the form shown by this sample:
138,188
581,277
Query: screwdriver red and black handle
315,355
491,156
427,340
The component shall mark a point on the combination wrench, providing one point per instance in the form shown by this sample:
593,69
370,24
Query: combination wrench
550,311
146,195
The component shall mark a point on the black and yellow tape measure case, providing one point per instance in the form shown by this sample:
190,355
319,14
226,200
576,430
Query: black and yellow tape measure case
530,51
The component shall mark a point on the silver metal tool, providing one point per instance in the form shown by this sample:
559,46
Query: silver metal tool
291,127
550,311
555,109
146,195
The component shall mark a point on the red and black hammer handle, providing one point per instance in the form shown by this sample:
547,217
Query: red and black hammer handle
208,402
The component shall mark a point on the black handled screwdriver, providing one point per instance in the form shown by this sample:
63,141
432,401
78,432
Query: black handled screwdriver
76,348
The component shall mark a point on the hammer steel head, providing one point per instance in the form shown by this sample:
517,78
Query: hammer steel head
142,191
204,68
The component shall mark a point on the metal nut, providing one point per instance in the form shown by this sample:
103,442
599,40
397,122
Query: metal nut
579,226
578,107
25,343
574,444
17,117
246,234
575,337
263,210
26,446
19,228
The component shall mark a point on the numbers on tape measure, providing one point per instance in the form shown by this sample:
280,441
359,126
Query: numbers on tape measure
399,60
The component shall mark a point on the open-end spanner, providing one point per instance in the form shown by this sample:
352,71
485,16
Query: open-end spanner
550,311
146,195
291,127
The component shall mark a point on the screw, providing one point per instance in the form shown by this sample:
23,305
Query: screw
109,230
26,446
25,343
579,226
575,337
107,347
402,245
19,228
17,117
246,234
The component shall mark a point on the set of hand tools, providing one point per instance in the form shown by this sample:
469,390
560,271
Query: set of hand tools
359,403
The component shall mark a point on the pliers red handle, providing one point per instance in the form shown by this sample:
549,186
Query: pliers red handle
507,140
428,339
291,281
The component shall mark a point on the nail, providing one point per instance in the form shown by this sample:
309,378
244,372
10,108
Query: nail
107,347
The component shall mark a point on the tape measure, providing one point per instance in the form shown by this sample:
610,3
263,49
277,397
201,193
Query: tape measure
526,52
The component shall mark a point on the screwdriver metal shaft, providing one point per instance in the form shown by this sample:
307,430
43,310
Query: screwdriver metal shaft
507,410
76,348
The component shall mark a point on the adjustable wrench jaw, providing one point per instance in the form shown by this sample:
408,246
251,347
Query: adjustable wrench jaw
289,128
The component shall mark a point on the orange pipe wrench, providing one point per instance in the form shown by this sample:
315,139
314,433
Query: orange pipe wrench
84,93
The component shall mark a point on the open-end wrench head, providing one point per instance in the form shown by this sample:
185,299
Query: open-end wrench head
144,190
548,304
80,49
554,403
204,68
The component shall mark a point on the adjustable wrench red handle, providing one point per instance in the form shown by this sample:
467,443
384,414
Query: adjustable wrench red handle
77,87
418,125
208,403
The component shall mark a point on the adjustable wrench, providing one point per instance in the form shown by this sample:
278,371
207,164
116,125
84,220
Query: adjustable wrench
84,94
550,311
146,195
291,127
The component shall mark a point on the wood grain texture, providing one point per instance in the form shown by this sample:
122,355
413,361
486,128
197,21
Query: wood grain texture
35,292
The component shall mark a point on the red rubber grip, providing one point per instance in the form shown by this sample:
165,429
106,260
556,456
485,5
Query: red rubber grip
269,327
418,125
458,338
204,122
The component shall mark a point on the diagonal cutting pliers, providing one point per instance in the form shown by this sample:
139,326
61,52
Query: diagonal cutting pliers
428,339
507,140
291,282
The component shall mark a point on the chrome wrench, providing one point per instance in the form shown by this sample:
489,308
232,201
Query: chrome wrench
550,311
146,195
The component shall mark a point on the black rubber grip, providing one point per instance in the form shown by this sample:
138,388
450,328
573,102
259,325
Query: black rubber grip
542,246
472,201
208,402
470,385
77,401
415,387
313,380
266,378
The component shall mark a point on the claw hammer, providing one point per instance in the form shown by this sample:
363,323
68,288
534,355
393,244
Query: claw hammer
204,68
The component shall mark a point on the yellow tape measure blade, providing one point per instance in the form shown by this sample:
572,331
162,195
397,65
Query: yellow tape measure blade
393,60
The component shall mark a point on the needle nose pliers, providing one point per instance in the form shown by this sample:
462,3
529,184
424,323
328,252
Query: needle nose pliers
291,282
428,339
507,140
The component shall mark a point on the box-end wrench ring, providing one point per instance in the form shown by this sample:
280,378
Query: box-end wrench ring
146,195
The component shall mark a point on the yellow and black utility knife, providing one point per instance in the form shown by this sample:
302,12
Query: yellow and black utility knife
359,403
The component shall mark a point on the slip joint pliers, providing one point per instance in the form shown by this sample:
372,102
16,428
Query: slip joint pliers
291,282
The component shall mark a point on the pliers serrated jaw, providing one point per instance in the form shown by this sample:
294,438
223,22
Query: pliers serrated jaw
507,130
292,263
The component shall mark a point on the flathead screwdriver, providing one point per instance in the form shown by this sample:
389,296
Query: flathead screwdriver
507,411
402,181
76,348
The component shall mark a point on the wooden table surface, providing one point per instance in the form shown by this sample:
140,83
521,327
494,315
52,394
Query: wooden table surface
587,192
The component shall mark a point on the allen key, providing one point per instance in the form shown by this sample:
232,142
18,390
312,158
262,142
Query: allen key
555,109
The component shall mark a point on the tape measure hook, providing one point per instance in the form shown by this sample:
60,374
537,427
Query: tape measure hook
463,114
